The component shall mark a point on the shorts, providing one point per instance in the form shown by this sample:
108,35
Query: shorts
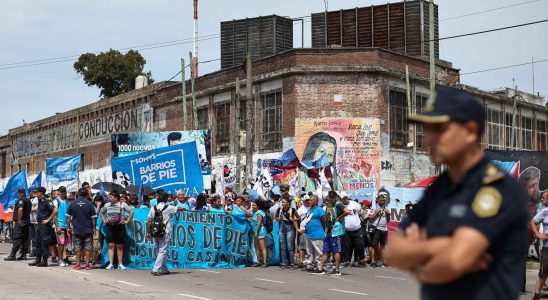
379,236
63,239
115,234
332,244
84,241
302,241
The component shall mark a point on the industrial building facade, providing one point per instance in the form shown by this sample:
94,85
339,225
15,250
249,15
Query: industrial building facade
344,83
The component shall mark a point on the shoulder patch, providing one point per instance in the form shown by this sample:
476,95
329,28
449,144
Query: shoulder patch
487,202
492,174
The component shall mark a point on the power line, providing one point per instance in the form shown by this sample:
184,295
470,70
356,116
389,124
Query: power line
490,30
504,67
74,57
488,10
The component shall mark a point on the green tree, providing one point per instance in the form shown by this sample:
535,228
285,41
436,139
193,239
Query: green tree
112,72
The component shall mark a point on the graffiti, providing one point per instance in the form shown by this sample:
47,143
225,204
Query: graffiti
386,165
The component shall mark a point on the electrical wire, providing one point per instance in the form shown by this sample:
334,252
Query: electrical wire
504,67
488,10
73,58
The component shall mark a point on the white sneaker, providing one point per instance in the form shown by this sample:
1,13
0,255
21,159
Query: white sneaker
62,264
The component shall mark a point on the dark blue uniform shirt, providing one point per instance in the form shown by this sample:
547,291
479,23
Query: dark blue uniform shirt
491,202
45,208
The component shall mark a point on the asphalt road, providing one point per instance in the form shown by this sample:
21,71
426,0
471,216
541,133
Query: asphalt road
19,281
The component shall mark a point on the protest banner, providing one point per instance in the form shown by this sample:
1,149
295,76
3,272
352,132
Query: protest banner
63,171
137,142
169,168
352,146
197,240
8,196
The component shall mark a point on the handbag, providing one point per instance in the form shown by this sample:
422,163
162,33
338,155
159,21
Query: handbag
370,228
338,228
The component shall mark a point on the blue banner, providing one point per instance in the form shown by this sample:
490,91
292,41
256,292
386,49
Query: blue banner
63,171
37,181
8,197
198,240
170,168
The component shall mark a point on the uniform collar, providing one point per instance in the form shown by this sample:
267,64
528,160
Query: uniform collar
472,175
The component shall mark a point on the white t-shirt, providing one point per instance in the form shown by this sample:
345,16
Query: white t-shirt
166,214
303,210
352,221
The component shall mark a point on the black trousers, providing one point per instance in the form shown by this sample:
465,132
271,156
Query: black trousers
20,239
353,243
44,234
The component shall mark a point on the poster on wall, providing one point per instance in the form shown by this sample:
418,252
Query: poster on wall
169,168
63,171
352,146
132,143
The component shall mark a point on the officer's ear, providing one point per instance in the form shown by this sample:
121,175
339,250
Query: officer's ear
474,132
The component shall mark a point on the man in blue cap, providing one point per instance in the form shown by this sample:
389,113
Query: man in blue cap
467,237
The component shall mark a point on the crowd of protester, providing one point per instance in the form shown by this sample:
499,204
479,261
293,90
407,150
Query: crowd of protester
316,234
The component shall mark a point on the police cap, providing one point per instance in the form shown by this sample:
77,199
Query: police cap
450,104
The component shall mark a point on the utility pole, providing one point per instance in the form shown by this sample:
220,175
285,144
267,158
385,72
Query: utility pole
249,119
183,86
411,126
236,127
513,143
432,50
192,84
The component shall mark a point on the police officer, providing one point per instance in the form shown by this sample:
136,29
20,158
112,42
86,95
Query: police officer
44,232
467,237
21,221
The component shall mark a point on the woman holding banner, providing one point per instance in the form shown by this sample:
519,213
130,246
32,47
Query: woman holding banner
112,215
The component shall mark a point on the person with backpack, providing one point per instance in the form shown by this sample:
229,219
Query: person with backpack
261,222
334,231
112,215
159,227
288,219
379,236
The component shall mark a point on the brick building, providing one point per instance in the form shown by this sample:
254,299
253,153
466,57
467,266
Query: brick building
300,83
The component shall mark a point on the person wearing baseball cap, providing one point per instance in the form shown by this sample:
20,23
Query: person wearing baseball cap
21,221
474,215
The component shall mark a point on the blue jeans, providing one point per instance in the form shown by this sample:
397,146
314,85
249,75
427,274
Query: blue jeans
287,242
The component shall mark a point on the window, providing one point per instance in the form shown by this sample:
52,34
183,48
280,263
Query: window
420,101
494,129
203,118
526,133
510,127
162,118
398,119
243,114
222,137
542,136
271,136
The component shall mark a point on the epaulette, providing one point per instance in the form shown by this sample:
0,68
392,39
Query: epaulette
492,174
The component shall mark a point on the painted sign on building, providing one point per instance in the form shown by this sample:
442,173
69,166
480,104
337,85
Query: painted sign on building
352,146
46,141
99,129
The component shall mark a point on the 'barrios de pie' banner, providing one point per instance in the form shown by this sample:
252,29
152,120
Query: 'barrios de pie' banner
169,168
198,240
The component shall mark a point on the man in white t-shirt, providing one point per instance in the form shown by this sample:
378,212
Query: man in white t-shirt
353,237
302,240
161,241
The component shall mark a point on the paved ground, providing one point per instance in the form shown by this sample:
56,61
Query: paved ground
19,281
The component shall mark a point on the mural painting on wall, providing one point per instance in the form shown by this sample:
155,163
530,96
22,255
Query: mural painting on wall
353,147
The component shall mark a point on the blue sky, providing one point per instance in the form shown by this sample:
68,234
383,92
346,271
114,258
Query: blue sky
33,30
